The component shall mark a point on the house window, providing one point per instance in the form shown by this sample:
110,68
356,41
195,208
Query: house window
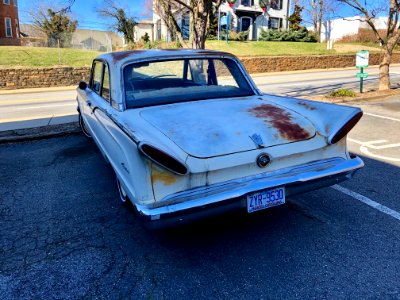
15,2
6,2
245,23
247,2
185,26
274,23
8,27
276,4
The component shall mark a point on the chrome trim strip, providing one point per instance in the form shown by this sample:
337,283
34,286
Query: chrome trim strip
304,174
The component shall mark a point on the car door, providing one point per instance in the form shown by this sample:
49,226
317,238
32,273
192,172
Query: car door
88,102
110,138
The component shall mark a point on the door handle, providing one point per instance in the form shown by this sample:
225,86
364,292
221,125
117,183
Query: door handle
89,103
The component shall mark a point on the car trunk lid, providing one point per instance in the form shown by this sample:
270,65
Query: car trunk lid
210,128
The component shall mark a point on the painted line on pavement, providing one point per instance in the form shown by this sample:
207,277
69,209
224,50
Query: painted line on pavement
369,202
35,100
45,106
382,117
376,145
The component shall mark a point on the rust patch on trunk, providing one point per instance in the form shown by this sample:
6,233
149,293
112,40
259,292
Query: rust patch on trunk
281,120
306,105
165,177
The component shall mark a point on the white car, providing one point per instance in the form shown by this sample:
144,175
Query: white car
188,134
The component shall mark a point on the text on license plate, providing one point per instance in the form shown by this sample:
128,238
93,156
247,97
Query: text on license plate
265,199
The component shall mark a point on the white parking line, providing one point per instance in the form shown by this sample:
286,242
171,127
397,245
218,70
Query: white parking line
45,106
372,203
382,117
373,145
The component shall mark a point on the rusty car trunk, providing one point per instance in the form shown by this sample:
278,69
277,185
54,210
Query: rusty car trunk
210,128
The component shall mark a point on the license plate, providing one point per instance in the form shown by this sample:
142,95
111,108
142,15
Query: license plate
265,199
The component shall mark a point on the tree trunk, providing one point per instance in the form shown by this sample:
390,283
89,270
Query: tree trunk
169,20
200,18
384,78
320,16
314,16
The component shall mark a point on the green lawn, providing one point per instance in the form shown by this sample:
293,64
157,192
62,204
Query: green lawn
255,48
44,57
47,57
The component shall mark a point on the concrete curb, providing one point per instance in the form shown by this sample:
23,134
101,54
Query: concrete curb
20,135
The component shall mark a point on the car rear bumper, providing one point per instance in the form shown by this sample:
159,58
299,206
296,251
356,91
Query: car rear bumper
218,198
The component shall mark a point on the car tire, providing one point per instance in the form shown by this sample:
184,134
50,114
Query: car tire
83,127
123,197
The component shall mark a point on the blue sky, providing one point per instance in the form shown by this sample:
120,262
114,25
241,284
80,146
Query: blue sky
84,11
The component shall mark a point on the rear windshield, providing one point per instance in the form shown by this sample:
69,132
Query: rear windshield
171,81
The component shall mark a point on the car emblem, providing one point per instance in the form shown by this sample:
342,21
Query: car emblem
257,139
263,160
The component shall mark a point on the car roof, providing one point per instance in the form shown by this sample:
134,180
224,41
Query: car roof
122,57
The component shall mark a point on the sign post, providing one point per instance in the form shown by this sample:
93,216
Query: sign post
362,59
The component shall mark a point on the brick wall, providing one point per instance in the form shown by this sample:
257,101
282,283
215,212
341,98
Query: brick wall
65,76
42,77
9,11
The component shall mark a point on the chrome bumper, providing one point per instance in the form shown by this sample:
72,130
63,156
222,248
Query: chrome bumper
214,199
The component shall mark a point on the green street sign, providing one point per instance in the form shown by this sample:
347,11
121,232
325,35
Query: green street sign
362,75
362,59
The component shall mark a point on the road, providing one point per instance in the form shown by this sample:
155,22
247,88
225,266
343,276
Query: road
17,107
302,84
63,233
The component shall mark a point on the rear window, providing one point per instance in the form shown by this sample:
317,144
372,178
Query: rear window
171,81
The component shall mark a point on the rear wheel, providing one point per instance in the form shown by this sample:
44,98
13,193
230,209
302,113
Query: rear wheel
83,127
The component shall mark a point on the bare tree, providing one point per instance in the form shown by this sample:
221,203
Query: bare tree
388,38
199,11
316,13
167,10
123,23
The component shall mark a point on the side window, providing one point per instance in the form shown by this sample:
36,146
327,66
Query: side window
224,74
96,77
105,93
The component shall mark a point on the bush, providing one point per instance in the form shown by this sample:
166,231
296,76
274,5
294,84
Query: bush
145,38
342,93
236,36
301,35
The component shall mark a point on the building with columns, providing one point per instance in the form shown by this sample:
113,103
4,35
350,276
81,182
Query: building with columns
244,15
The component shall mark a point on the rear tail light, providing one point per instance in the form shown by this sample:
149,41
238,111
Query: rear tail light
163,159
336,137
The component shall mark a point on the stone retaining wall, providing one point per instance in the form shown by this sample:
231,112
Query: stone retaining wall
293,63
65,76
42,77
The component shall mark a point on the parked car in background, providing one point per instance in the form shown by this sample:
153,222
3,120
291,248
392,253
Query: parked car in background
188,134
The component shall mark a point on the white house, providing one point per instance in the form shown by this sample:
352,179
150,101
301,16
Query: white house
338,28
244,15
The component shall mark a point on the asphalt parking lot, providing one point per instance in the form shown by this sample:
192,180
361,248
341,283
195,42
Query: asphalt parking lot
63,233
